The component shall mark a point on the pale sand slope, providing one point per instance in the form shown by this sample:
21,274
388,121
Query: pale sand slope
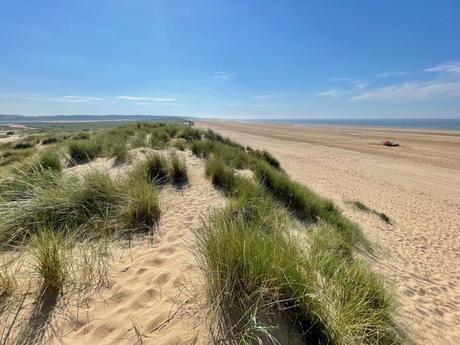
417,185
157,289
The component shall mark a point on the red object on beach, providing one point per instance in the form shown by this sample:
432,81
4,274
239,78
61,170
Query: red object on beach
389,143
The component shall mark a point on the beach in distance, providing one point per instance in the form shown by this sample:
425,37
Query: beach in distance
406,198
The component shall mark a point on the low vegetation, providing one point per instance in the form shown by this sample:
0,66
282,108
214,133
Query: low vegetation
83,151
259,268
50,253
143,209
177,169
277,254
360,206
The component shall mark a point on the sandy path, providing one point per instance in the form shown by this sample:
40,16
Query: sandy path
417,185
156,291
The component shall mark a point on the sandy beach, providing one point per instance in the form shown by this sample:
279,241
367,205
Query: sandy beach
417,185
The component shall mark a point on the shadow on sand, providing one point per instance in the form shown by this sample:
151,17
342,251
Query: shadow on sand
34,330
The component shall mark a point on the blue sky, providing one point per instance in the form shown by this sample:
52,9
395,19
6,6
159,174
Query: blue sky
244,59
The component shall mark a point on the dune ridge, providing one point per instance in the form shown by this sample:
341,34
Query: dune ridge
417,186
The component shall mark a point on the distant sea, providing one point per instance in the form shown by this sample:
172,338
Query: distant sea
440,124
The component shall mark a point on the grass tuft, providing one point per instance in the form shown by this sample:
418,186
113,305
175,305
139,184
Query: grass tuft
23,146
361,206
177,168
49,141
50,252
143,208
83,151
50,160
154,168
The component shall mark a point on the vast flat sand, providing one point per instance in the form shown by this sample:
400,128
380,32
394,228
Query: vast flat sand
417,185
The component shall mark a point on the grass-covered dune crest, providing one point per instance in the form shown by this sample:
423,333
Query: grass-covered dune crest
279,261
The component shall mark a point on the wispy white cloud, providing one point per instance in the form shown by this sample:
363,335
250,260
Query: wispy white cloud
361,85
222,75
261,105
158,104
142,98
331,93
452,67
340,79
268,96
78,99
410,91
389,74
357,83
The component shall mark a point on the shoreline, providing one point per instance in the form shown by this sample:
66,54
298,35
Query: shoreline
419,130
337,124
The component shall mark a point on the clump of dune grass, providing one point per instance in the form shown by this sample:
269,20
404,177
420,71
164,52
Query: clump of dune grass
8,284
91,206
49,141
97,194
81,136
45,198
12,156
384,217
50,253
179,144
154,168
222,177
159,138
83,151
255,267
361,206
138,140
22,146
177,168
189,134
201,148
306,204
267,157
120,153
50,160
143,208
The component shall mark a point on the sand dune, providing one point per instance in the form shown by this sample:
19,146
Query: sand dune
417,185
156,294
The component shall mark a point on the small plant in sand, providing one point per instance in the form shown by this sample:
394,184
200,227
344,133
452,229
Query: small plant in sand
8,284
179,144
50,160
361,206
49,141
22,146
177,168
83,151
50,252
142,209
154,168
120,152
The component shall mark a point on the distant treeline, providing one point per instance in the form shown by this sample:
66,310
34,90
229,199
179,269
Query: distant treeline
81,118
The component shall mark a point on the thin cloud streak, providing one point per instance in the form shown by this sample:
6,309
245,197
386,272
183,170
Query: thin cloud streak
411,91
332,93
389,74
222,75
142,98
452,67
158,104
264,96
